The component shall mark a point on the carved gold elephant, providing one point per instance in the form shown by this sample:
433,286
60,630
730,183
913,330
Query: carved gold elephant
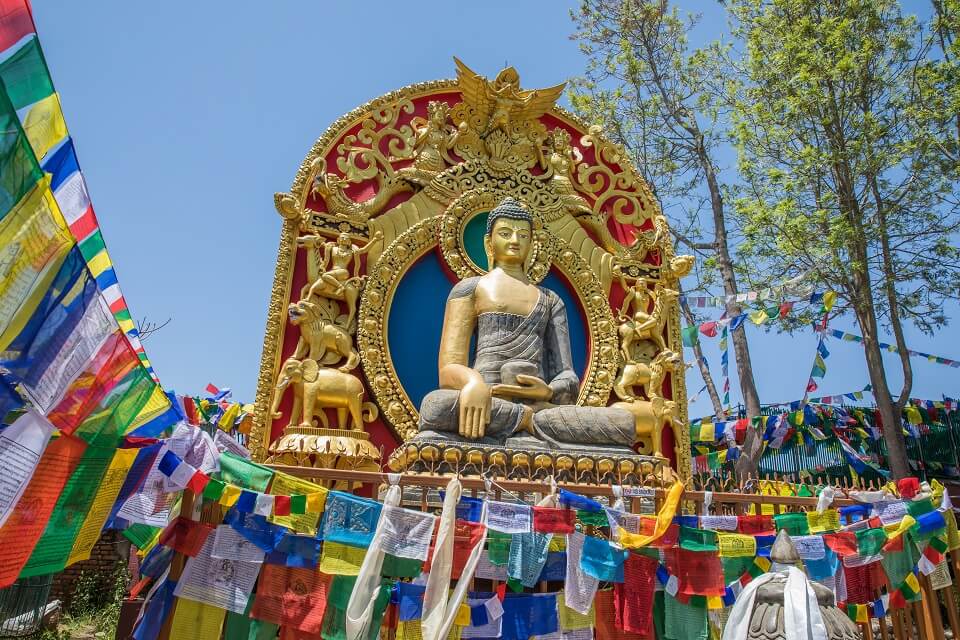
317,388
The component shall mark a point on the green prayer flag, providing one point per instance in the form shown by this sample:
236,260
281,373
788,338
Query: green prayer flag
683,621
395,567
698,539
733,568
19,170
794,523
334,618
25,75
298,504
52,550
213,490
498,547
690,336
117,410
919,507
658,614
240,626
92,245
515,585
870,541
594,518
897,564
140,535
244,473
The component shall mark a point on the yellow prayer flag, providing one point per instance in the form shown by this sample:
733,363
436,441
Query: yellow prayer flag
707,432
230,495
102,503
912,582
894,531
229,416
829,299
36,240
571,620
194,620
664,519
829,520
557,543
953,535
340,559
44,125
758,317
763,563
714,602
316,501
99,263
735,545
463,616
862,613
156,404
286,485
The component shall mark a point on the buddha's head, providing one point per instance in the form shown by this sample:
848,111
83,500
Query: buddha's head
509,235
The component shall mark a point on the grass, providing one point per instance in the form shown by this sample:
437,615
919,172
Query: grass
94,608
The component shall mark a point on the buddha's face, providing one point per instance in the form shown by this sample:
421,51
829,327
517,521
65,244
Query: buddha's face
509,241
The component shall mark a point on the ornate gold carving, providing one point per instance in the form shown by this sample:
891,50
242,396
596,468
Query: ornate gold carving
585,468
499,141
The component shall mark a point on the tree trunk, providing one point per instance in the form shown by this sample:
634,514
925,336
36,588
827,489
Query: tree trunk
752,446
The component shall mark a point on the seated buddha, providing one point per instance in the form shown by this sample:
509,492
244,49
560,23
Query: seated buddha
520,389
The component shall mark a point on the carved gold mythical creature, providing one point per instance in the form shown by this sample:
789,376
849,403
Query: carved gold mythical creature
649,377
649,326
331,188
320,339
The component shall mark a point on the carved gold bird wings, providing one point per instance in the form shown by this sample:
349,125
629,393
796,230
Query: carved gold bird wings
487,99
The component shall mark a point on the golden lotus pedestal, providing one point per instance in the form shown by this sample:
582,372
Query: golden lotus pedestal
582,467
325,449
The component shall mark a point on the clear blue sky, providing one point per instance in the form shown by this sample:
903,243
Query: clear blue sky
188,116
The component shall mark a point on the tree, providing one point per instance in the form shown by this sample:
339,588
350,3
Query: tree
656,97
844,169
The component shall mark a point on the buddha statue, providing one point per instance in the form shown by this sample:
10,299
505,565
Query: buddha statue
520,389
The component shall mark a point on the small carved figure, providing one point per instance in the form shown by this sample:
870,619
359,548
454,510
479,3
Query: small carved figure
650,419
432,145
316,388
649,326
320,339
336,282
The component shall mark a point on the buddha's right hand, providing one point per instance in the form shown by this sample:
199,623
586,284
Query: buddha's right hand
474,409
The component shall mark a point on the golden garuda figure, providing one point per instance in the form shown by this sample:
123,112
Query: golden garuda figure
473,224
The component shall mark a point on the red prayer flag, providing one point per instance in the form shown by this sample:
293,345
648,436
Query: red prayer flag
550,520
466,536
198,482
756,525
843,543
699,572
709,329
292,597
15,22
281,505
633,599
23,528
606,628
908,487
185,536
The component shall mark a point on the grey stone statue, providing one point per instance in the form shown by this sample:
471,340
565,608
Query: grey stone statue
520,388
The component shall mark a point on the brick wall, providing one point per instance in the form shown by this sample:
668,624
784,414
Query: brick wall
110,553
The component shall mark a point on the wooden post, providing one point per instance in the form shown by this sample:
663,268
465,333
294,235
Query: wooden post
930,604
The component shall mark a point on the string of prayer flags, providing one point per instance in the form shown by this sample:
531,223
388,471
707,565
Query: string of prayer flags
764,295
850,337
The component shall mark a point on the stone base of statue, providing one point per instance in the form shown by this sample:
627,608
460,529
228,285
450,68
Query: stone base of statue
515,460
325,449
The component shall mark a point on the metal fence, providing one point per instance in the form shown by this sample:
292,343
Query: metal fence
23,605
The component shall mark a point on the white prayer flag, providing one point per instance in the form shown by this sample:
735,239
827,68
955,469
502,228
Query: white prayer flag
579,587
21,446
219,582
407,533
230,545
507,517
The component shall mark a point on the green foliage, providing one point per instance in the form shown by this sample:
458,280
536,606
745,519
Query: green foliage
94,607
846,141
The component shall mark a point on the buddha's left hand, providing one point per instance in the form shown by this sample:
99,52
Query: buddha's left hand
530,388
